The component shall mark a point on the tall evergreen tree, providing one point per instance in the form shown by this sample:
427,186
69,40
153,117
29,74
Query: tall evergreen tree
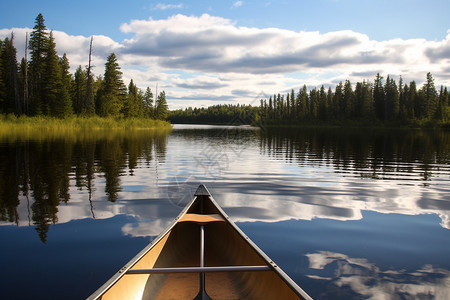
323,104
378,97
79,90
338,100
162,108
412,101
392,99
112,93
347,104
131,107
148,103
302,102
3,90
9,82
293,105
52,82
38,46
430,97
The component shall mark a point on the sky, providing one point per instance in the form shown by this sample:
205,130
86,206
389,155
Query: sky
203,53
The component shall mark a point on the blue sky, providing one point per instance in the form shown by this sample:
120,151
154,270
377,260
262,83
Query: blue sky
381,19
242,48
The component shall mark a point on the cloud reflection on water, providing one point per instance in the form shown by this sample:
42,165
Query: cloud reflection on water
373,282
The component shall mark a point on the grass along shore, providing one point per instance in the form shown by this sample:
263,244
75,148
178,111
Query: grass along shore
23,128
12,123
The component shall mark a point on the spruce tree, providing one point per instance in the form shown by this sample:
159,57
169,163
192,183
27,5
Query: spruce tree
38,46
79,91
346,105
2,83
430,97
148,103
9,84
338,100
392,99
51,80
378,97
162,108
112,93
130,108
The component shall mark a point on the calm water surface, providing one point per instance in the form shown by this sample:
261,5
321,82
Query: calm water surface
347,214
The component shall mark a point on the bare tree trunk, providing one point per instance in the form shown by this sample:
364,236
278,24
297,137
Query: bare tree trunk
25,84
88,84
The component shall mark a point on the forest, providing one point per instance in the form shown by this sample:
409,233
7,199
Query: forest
44,86
390,102
217,114
368,103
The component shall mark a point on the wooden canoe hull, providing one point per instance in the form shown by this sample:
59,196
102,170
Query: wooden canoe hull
179,246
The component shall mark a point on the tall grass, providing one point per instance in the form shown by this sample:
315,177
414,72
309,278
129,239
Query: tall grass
35,126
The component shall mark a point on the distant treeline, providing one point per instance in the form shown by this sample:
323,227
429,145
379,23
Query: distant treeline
389,101
43,85
368,103
216,114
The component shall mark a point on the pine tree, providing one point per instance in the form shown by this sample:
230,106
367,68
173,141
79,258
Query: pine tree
293,105
38,46
148,103
378,97
52,82
9,84
430,97
79,90
323,104
112,93
391,99
130,108
2,83
441,110
337,100
302,103
412,100
346,105
162,108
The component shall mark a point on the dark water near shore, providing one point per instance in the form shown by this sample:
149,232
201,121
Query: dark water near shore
348,214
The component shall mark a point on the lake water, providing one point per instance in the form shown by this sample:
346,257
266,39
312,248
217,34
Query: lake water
347,214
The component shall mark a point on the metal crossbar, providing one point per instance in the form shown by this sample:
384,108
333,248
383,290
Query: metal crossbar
200,269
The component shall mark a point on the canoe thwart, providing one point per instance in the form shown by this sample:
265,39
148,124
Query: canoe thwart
202,219
200,269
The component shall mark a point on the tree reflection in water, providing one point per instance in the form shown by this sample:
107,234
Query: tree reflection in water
41,169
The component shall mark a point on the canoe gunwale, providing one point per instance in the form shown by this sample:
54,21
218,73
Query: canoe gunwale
291,283
202,191
123,271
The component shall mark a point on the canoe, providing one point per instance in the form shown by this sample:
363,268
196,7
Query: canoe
201,255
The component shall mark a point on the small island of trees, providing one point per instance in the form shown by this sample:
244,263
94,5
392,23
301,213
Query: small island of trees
44,86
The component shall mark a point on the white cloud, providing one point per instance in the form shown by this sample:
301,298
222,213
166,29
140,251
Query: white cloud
162,6
210,54
237,4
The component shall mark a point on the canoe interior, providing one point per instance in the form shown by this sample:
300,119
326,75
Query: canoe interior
180,247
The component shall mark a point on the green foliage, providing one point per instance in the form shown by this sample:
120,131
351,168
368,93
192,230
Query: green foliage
9,93
54,91
161,109
217,114
368,104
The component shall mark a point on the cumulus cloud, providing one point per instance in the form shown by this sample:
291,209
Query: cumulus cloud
248,57
216,45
